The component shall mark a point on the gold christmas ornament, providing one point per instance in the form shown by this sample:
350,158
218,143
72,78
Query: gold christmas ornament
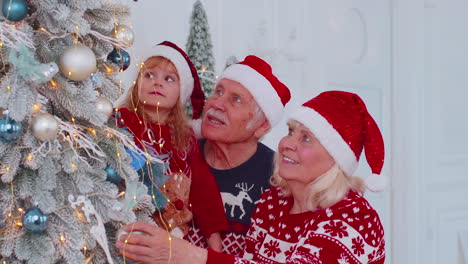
78,63
44,127
124,34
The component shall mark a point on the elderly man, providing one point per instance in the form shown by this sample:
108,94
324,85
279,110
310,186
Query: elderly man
247,102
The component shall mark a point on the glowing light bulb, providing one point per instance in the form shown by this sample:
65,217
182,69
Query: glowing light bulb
36,108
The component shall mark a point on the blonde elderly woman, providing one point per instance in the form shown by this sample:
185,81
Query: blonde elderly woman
316,213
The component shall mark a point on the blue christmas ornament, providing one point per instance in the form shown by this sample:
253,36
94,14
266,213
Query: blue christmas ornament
15,10
34,221
138,160
152,175
10,130
154,178
112,175
119,57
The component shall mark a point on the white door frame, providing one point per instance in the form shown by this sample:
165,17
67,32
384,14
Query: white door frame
407,104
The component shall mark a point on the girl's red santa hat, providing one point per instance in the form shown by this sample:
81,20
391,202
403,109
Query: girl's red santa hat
190,86
256,75
342,124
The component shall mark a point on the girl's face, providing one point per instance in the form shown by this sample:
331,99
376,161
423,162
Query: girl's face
159,86
302,157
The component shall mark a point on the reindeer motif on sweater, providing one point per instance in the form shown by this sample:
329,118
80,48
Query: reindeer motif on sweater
238,200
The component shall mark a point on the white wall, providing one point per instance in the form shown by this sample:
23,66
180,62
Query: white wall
408,59
430,81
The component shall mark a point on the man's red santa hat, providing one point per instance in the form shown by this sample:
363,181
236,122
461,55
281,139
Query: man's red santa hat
342,124
256,75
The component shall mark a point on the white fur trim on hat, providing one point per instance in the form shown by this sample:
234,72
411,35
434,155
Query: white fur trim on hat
261,89
330,139
183,69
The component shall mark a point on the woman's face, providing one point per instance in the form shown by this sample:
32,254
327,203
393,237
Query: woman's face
301,156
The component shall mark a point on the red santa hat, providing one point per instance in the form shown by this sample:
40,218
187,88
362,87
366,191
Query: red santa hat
256,75
342,124
190,86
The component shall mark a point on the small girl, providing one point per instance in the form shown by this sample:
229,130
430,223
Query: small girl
153,112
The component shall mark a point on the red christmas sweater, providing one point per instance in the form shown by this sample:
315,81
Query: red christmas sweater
206,204
348,232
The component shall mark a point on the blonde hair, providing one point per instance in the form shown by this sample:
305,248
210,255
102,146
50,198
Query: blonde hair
177,119
328,189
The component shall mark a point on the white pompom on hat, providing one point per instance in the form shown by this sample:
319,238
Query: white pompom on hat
342,124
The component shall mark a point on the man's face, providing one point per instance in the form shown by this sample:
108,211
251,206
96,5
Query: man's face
228,113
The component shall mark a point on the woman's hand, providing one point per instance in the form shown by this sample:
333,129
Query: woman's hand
155,245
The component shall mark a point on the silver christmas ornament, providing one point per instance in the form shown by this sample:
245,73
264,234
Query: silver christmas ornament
124,34
104,106
78,63
44,127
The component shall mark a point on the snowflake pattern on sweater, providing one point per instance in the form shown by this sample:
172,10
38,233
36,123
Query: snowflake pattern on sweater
349,232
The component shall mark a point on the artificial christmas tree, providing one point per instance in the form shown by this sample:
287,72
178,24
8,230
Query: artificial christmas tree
230,61
200,49
66,179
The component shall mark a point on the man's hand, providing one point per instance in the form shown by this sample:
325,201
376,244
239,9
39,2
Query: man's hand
155,245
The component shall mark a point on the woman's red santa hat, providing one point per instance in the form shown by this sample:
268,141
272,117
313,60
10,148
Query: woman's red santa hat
256,75
190,86
342,124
